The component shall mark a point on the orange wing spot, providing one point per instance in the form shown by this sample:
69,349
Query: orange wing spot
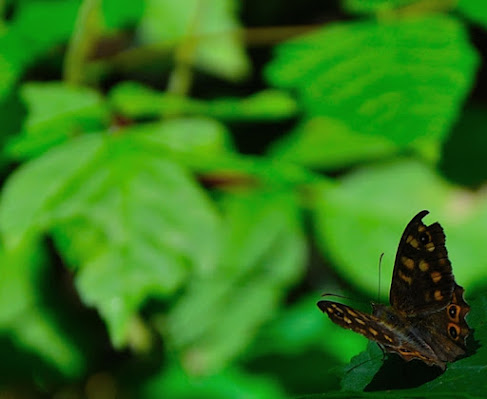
361,331
430,247
373,331
421,228
351,312
435,276
407,279
423,265
329,309
347,320
388,338
360,321
438,295
408,262
443,261
412,241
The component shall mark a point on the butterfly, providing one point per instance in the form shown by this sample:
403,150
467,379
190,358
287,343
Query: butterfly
426,316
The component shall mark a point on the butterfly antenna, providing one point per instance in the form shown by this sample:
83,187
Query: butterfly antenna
380,269
344,297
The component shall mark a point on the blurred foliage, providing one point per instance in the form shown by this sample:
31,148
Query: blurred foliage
182,180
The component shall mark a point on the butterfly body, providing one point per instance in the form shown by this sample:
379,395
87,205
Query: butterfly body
426,318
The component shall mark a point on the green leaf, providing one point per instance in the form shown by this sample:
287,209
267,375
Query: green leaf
326,143
178,136
56,112
175,383
22,43
263,254
363,367
374,6
120,13
382,78
209,31
54,19
134,223
475,10
138,101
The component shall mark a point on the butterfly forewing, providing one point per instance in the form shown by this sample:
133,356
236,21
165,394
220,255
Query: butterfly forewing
422,280
367,325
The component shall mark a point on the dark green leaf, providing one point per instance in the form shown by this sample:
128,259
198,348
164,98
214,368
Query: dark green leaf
475,10
25,319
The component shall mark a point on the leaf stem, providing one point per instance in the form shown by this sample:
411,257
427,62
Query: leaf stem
181,77
86,30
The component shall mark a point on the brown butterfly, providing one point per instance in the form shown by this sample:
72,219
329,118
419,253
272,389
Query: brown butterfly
426,319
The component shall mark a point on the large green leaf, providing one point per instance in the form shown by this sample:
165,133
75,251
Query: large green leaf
208,31
133,222
263,254
382,78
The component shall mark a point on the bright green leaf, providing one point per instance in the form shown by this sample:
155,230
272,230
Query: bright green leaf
325,143
263,254
56,112
117,208
209,30
382,78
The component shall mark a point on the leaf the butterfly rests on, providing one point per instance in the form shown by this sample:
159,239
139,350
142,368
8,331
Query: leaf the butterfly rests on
426,319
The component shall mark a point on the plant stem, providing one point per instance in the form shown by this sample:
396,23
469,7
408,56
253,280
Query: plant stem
86,31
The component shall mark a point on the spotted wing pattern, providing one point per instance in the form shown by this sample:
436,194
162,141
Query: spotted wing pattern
426,319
